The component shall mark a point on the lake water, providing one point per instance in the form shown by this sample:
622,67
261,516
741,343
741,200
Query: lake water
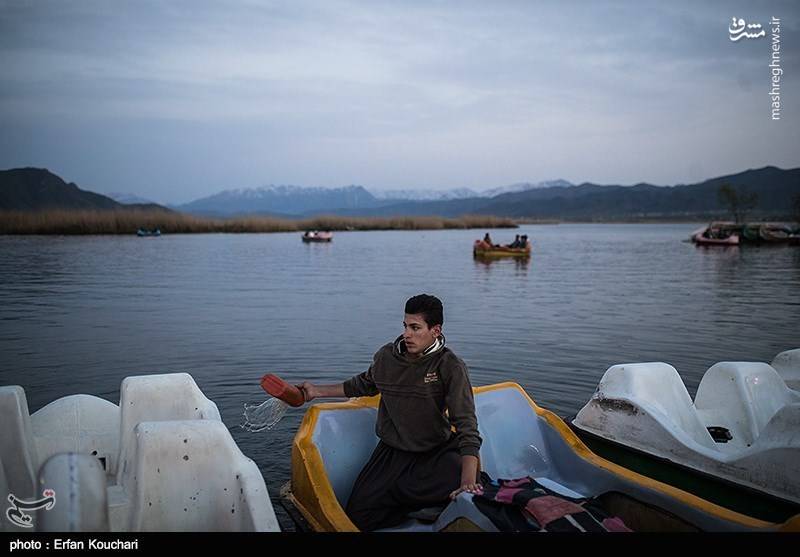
78,314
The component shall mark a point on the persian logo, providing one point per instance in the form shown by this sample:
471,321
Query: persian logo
16,512
738,29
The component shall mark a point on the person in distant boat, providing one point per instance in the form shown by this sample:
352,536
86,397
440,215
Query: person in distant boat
515,243
523,241
488,240
419,461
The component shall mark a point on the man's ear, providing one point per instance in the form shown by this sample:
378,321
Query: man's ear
437,330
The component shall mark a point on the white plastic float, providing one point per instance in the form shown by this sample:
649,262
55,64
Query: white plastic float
743,425
160,461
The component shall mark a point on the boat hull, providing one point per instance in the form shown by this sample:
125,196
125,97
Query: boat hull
712,488
480,251
732,240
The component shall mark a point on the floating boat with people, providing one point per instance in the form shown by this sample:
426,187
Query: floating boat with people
525,448
716,234
144,232
311,236
736,443
482,249
161,460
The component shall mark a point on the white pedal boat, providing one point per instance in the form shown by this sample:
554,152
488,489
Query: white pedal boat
160,461
743,425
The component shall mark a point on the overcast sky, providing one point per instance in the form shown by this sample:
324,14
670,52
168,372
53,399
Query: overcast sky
174,101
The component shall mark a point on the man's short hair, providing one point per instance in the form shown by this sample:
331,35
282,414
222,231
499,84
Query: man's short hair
429,306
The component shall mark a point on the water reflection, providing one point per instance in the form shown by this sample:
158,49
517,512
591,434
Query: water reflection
714,249
519,264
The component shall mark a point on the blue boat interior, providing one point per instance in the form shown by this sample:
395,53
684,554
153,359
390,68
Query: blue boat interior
517,442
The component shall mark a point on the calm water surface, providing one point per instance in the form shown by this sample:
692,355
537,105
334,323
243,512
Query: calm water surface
78,314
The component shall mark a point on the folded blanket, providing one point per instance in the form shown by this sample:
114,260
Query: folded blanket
524,505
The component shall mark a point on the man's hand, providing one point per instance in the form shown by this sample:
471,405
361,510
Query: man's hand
474,488
469,477
309,391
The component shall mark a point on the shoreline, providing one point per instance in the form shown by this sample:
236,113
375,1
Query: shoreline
127,222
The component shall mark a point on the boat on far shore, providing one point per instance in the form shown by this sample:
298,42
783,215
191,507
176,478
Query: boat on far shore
724,233
144,232
317,236
716,234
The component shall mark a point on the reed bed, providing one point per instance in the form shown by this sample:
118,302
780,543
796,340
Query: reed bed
65,222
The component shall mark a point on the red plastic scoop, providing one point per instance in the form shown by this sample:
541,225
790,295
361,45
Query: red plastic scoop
279,388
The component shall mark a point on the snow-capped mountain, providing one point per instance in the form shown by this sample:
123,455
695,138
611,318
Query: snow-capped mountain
129,198
525,186
463,193
425,195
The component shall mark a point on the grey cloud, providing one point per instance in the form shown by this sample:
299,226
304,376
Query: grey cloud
386,94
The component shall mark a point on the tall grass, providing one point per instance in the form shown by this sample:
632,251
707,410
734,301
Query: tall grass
129,221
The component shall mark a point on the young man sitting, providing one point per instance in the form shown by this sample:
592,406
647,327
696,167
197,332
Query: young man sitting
419,461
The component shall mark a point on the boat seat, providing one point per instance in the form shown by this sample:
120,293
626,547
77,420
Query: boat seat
782,428
787,364
152,398
82,424
655,389
191,476
344,453
743,397
428,514
79,482
458,511
17,449
513,445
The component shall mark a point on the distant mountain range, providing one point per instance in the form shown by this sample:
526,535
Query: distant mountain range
460,193
281,201
776,190
516,188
